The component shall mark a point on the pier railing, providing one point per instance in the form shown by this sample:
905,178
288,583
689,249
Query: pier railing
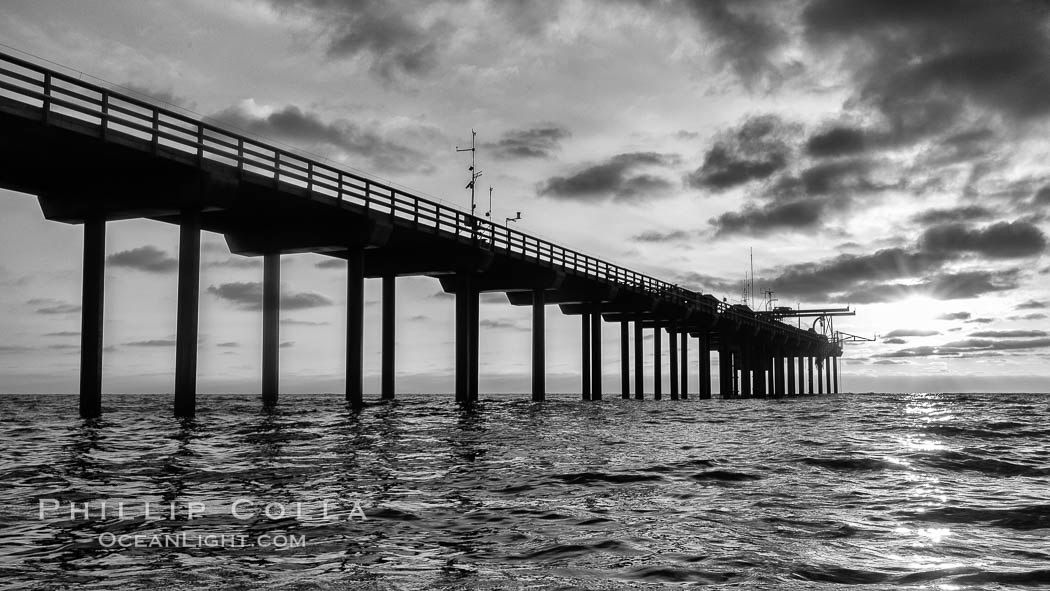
116,116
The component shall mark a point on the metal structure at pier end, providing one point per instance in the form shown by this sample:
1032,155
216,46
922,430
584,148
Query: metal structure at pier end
91,155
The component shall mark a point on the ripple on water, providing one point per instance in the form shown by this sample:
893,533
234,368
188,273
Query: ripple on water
885,491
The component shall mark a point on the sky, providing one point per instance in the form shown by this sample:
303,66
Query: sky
888,156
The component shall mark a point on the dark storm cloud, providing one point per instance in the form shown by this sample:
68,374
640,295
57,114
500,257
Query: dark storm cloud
911,332
890,275
248,296
813,280
296,126
836,141
620,178
1042,197
392,37
1031,305
755,150
770,217
746,36
943,286
966,213
919,54
1009,334
998,241
539,142
147,258
955,316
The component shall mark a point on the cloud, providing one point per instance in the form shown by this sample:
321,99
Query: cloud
955,316
999,241
294,322
755,150
981,321
654,236
908,56
52,306
1042,197
1009,334
753,219
443,295
1031,305
538,142
147,258
64,333
836,141
911,332
488,323
152,343
492,298
812,280
228,344
746,36
395,40
309,130
1035,316
942,286
331,263
894,341
287,344
620,178
248,296
970,347
952,215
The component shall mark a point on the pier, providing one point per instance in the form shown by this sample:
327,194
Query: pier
93,155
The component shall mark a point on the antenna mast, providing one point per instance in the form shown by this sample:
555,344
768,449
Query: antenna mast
752,278
473,173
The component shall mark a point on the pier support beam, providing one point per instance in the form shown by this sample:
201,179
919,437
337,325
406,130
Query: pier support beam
187,314
778,375
639,359
585,349
672,339
625,360
467,304
791,376
827,372
820,376
387,388
759,365
684,381
596,352
539,363
355,326
92,305
835,372
705,366
746,361
725,372
658,386
271,337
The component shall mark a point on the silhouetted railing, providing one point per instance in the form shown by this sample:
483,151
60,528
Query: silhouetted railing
118,117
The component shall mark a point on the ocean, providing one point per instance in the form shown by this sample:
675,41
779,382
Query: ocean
884,491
